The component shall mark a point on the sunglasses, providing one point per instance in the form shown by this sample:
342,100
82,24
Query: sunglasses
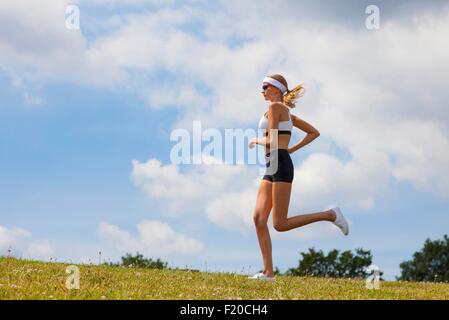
265,87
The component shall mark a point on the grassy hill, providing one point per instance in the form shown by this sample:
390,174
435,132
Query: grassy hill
24,279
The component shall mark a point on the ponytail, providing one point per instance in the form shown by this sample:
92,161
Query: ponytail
291,96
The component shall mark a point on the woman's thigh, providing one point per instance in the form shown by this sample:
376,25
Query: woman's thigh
281,200
264,201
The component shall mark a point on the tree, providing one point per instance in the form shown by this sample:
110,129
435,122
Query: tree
345,265
138,261
429,264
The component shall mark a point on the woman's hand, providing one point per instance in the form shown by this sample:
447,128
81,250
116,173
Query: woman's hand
291,150
252,143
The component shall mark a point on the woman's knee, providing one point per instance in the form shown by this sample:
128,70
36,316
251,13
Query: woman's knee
259,220
280,225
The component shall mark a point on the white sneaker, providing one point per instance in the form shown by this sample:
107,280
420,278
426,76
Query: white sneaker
340,221
261,276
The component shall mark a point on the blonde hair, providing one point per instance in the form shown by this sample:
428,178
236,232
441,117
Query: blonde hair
290,96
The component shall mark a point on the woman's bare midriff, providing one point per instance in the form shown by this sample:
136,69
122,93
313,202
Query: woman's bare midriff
283,139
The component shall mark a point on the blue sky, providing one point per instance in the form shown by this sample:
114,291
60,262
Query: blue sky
86,117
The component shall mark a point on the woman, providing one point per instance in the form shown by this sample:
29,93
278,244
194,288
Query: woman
275,187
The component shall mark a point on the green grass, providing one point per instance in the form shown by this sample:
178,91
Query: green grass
23,279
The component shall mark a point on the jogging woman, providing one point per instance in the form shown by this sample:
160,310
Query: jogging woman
276,185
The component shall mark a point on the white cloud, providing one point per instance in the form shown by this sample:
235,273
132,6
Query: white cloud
421,151
36,47
155,239
232,210
324,179
124,2
41,250
9,238
380,96
365,87
368,91
20,243
187,193
226,194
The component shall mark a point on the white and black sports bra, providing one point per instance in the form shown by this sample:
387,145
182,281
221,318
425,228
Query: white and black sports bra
285,127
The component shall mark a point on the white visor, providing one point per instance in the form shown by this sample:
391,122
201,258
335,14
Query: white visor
275,83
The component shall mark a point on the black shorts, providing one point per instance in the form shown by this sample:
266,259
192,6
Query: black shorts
283,172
